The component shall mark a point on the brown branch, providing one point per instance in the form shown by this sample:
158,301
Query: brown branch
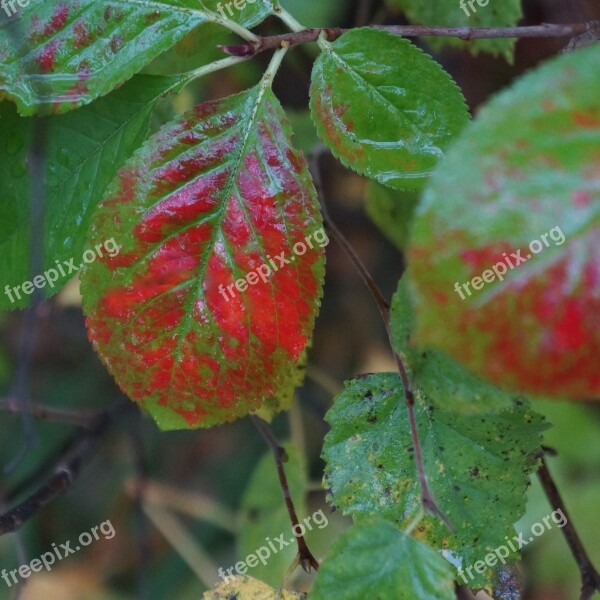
79,452
590,578
546,30
305,557
427,498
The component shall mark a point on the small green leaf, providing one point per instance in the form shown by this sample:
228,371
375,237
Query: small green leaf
58,56
392,211
459,13
264,517
374,559
83,152
505,247
385,108
477,466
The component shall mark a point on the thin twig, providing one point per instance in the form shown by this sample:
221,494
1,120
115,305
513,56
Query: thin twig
65,473
427,497
546,30
306,559
83,418
590,578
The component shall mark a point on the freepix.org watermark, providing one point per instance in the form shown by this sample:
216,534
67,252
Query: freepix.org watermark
49,558
10,7
503,552
265,271
263,553
471,3
238,4
510,262
66,269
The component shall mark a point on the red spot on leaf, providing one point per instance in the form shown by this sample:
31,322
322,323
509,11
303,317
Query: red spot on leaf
82,35
587,120
581,198
46,57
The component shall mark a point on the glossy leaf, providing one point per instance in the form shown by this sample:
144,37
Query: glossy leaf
384,107
264,516
208,201
495,13
375,560
83,152
247,588
477,465
57,55
519,192
392,211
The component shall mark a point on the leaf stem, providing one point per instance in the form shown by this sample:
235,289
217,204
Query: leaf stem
288,19
275,64
590,578
224,63
305,557
330,34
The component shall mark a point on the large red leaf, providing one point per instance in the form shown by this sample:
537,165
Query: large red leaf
204,203
505,254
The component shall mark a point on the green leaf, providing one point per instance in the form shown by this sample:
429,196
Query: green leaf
264,517
496,13
316,13
247,588
58,56
385,108
210,200
392,211
83,152
373,559
477,465
505,249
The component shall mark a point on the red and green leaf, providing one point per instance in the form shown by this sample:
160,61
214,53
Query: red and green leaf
385,108
58,55
208,200
528,167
